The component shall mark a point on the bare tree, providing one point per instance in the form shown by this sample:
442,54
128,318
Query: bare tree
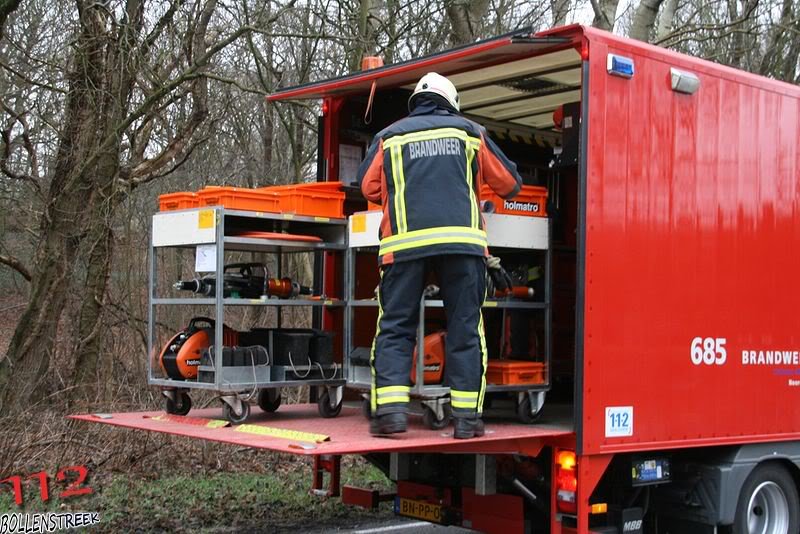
113,140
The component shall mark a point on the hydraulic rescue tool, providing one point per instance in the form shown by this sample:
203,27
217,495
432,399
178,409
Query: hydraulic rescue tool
245,280
180,357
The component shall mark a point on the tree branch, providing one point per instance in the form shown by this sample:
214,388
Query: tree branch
17,265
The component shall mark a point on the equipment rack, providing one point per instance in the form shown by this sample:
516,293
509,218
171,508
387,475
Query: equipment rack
186,229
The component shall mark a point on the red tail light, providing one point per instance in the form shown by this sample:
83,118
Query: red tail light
566,482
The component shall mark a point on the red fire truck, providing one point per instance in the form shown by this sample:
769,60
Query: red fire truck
674,198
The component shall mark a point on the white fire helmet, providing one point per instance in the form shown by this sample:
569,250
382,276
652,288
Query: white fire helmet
438,85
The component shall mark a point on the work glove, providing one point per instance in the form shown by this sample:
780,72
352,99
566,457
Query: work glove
501,280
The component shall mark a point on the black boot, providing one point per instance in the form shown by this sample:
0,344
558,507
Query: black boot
467,428
390,423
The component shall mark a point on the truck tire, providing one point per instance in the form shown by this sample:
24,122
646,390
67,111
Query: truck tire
768,503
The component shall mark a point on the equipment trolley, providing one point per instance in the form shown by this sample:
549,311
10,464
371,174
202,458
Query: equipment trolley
216,232
508,235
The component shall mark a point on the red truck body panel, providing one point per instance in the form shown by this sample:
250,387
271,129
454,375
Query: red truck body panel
692,230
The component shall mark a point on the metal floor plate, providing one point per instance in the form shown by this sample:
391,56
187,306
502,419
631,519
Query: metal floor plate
349,432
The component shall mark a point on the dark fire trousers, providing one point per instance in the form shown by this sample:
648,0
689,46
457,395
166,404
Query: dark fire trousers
462,279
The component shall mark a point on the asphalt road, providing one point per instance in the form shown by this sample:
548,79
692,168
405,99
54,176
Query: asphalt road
395,526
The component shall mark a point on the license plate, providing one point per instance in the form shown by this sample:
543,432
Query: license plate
418,510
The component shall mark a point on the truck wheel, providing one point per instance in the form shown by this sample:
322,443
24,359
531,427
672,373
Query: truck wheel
768,503
267,404
181,405
234,417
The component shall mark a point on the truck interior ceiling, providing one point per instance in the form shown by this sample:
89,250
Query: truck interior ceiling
519,103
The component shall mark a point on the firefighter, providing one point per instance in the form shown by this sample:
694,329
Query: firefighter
426,171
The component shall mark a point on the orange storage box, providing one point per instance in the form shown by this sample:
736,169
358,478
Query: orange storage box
312,199
531,201
508,372
240,198
312,202
306,186
183,200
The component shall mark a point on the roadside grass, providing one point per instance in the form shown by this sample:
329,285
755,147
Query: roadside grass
269,501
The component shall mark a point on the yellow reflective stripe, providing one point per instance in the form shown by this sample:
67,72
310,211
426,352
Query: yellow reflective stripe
473,202
433,231
464,394
373,397
393,389
427,135
484,360
390,400
403,192
470,405
433,241
399,189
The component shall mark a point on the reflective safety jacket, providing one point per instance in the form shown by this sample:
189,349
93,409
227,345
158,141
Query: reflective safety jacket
426,171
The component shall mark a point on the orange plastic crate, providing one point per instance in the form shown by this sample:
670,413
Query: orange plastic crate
312,202
239,198
306,186
508,372
531,201
178,201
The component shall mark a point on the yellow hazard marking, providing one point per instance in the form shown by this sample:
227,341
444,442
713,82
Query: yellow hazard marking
282,433
208,423
322,219
217,424
359,223
490,304
206,219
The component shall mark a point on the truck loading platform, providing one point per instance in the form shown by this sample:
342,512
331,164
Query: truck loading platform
348,433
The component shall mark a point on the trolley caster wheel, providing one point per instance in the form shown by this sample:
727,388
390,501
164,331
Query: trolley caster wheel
235,418
366,408
268,404
524,412
324,406
432,421
181,405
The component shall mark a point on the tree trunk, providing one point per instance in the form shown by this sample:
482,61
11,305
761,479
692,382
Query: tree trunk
605,14
559,9
667,19
6,8
465,17
88,345
26,366
777,37
362,38
644,19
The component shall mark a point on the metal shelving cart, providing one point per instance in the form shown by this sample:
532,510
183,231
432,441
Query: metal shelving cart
504,233
187,229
